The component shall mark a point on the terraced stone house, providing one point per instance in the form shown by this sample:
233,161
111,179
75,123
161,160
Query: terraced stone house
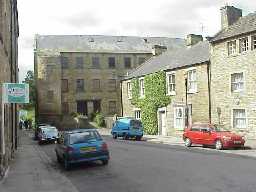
9,32
81,73
233,60
187,84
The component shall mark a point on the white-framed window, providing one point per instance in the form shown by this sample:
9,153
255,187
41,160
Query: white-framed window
244,44
129,90
239,118
141,87
237,82
192,84
254,42
232,47
170,82
137,114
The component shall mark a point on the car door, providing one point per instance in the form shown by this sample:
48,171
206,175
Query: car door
62,144
207,136
195,134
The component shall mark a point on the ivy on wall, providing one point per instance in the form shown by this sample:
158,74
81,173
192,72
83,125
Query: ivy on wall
155,97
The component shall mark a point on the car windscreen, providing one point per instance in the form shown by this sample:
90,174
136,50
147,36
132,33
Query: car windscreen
83,137
136,124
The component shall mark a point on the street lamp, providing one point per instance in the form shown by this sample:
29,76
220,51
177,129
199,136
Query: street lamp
186,91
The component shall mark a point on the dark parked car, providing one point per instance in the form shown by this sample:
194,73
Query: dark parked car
211,135
47,134
38,128
81,145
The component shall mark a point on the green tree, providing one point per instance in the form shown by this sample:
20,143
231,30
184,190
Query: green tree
29,79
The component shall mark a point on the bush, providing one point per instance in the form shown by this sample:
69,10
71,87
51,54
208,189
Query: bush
99,120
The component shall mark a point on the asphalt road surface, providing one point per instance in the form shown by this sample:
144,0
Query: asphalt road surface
138,166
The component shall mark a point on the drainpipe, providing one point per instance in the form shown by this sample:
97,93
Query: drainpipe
209,90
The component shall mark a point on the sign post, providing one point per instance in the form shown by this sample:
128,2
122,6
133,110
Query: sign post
12,93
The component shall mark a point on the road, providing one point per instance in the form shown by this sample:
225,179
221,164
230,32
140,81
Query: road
139,166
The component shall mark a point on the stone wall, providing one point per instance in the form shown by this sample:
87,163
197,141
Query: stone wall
222,67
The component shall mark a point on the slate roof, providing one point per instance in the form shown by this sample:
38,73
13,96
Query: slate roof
169,60
243,25
102,43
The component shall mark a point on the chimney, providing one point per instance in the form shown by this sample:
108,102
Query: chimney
158,50
193,39
229,15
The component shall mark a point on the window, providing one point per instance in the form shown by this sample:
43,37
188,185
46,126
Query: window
137,114
244,44
239,118
112,107
129,90
111,62
80,85
64,62
79,62
95,62
50,95
254,42
231,47
141,87
96,85
192,84
127,63
111,84
65,108
170,83
237,82
64,85
141,60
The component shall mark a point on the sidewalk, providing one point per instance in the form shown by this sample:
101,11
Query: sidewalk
31,171
249,151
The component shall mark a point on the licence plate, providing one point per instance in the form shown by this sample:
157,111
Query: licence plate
87,149
237,142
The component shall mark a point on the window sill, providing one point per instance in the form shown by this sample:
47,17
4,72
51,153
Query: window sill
192,92
171,94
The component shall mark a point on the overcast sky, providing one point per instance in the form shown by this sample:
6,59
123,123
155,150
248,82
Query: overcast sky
169,18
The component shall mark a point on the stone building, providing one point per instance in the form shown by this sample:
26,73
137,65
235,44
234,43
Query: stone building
233,59
189,64
82,73
9,33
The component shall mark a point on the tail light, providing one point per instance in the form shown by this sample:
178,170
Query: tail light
69,149
104,147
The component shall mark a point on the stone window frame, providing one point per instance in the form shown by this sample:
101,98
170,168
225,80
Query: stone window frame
168,90
111,83
127,62
137,113
64,89
141,87
79,62
95,62
190,81
244,117
111,109
64,62
111,62
244,46
232,47
94,88
80,88
253,42
129,89
231,88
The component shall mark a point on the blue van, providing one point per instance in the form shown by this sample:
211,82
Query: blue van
127,128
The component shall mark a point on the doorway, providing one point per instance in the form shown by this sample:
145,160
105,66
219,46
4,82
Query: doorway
179,118
162,127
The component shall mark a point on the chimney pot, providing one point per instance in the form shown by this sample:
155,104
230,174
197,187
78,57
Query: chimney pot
229,15
158,49
193,39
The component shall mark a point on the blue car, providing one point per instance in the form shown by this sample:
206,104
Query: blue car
127,128
81,145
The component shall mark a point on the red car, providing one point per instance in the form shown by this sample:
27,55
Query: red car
211,135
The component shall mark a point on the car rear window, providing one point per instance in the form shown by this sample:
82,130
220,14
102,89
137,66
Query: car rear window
136,124
83,137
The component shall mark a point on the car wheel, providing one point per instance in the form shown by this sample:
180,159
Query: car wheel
104,162
188,142
66,165
218,145
125,136
138,138
114,136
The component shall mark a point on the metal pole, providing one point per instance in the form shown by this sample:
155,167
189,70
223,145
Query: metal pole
2,123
